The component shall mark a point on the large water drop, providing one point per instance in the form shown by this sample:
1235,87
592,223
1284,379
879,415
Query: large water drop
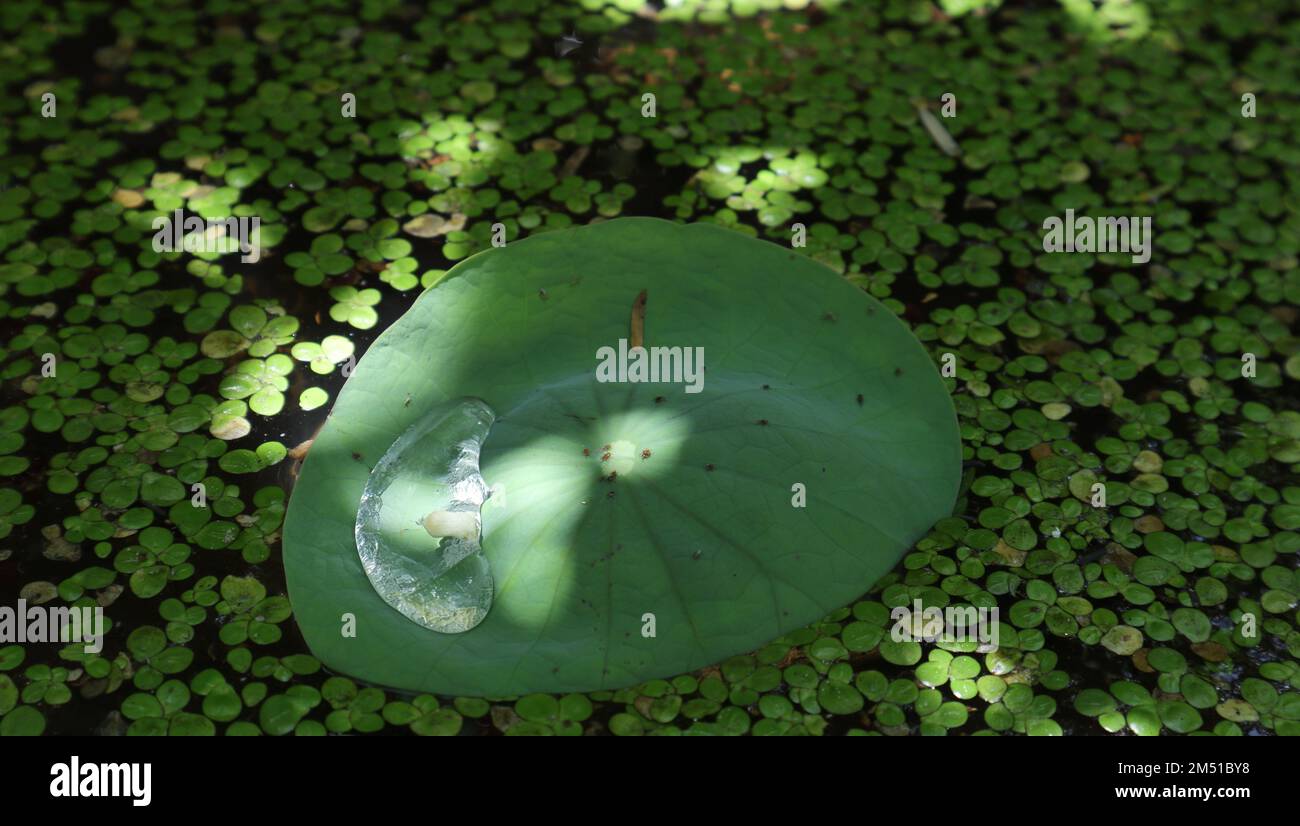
418,526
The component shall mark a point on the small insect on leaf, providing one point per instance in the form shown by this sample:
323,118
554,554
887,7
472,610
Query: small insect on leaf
645,454
586,452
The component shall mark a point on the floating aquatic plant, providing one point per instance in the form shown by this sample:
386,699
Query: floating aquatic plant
618,504
1072,371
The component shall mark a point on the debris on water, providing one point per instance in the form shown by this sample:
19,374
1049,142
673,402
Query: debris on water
938,133
567,44
419,529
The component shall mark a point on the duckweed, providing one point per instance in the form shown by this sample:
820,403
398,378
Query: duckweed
1129,504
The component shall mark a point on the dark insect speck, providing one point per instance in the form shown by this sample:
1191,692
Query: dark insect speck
696,555
763,422
659,399
859,400
609,495
605,458
645,454
898,371
586,452
708,467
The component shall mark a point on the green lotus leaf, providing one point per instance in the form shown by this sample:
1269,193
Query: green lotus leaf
634,529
